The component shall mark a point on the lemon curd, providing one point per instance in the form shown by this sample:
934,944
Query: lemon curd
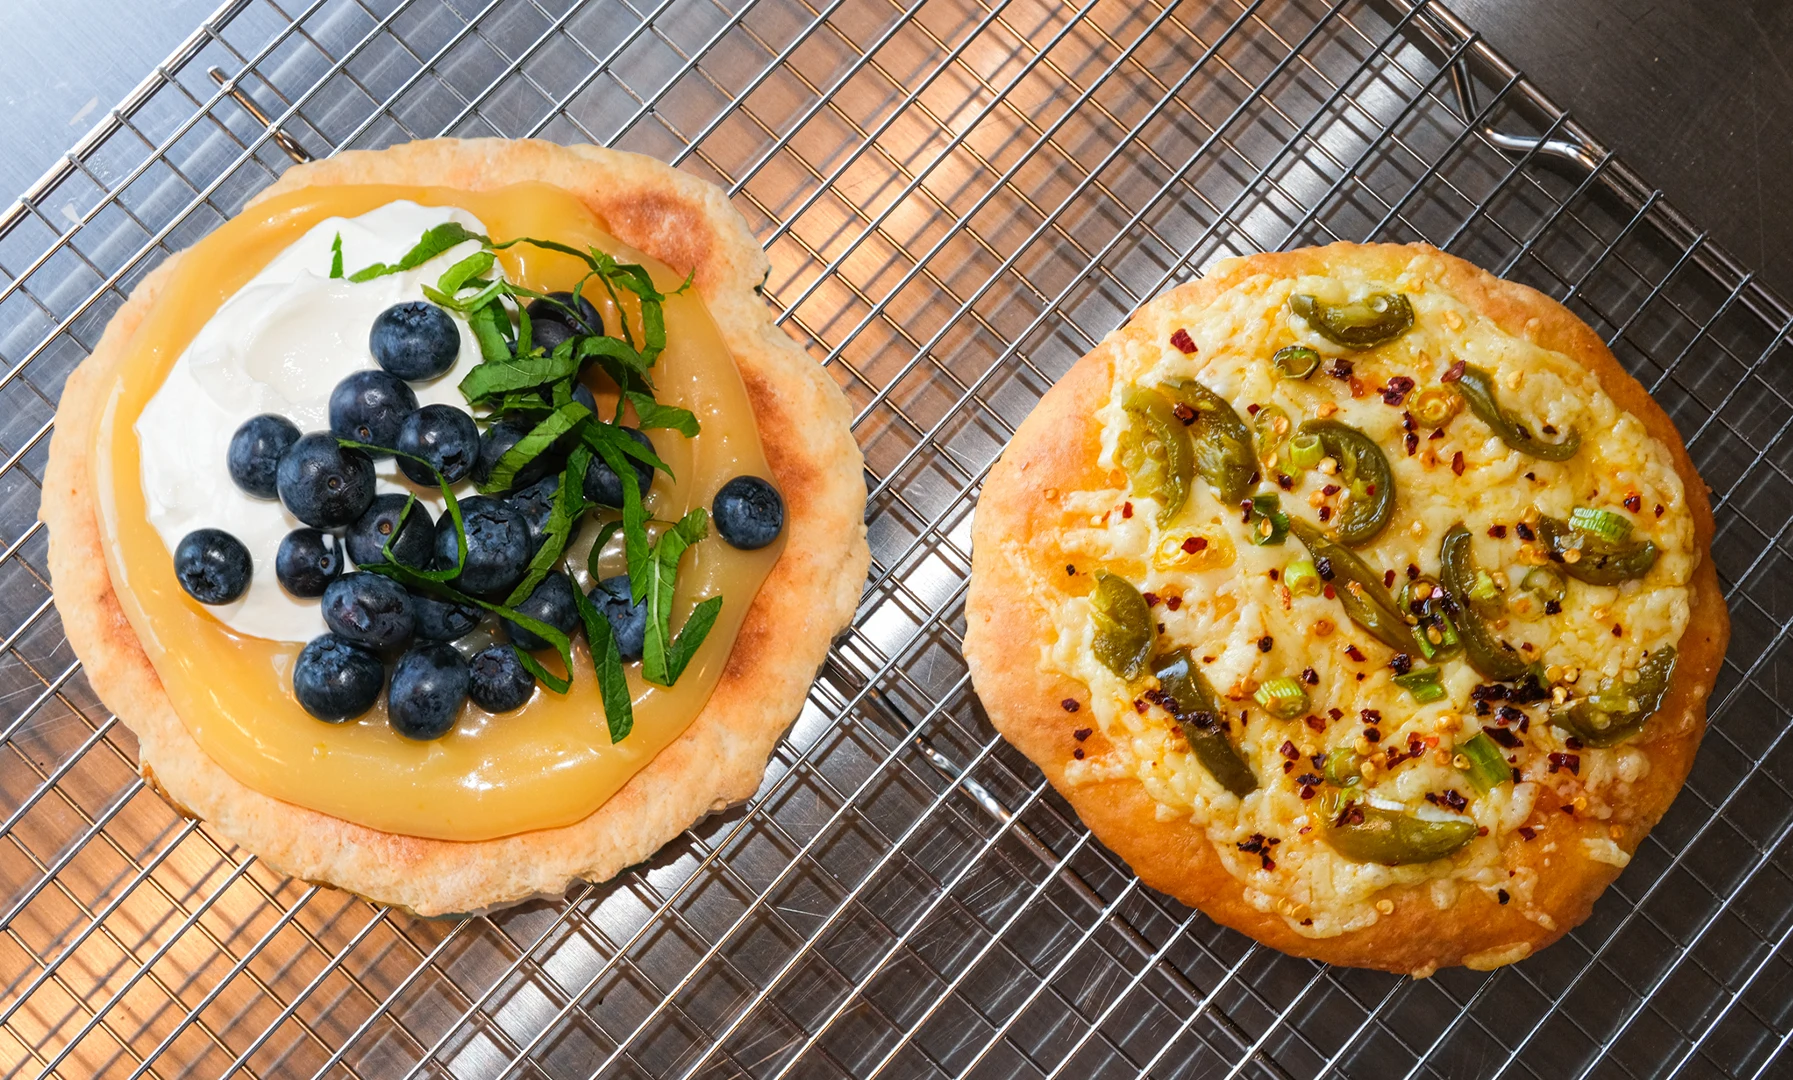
547,764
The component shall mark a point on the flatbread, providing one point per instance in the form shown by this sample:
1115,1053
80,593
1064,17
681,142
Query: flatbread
1020,584
810,595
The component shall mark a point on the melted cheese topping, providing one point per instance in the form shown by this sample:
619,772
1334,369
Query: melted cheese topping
550,763
1245,628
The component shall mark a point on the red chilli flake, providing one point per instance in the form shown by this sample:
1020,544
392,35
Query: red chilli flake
1310,676
1315,723
1252,409
1184,413
1453,373
1325,513
1412,444
1354,653
1396,390
1658,509
1173,602
1126,510
1330,594
1070,704
1184,343
1572,762
1528,832
1388,579
1632,502
1077,753
1195,545
1082,733
1330,490
1288,750
1266,643
1499,532
1617,630
1457,463
1151,599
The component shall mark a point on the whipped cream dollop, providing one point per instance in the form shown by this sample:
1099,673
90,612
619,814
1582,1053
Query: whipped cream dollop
280,344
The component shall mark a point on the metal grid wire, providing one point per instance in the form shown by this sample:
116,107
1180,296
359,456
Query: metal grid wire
960,197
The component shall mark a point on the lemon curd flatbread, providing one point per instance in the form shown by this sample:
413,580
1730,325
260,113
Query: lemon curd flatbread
1357,598
515,803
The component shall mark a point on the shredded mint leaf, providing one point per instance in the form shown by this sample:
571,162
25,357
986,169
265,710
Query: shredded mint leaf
543,675
662,569
496,378
607,663
655,415
605,532
488,323
608,436
540,439
474,265
563,521
691,635
435,241
336,256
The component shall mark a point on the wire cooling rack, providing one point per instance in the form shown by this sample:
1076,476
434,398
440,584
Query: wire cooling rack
959,198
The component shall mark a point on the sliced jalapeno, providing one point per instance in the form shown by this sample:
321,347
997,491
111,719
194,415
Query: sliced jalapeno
1374,834
1295,361
1123,626
1344,767
1586,556
1358,588
1611,716
1270,427
1361,324
1156,451
1187,696
1477,388
1435,632
1365,473
1220,440
1494,658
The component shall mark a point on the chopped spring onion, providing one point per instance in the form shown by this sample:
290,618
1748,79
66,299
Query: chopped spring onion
1305,451
1483,590
1295,361
1302,578
1422,683
1270,427
1487,768
1546,581
1269,525
1605,524
1435,405
1283,697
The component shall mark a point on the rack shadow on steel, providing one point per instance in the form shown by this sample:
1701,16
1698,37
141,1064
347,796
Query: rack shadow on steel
959,199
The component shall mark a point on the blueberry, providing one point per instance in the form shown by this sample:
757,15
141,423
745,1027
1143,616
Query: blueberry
499,682
337,680
369,407
212,565
536,504
550,602
308,561
548,336
443,436
497,546
582,394
414,340
443,620
749,513
413,542
369,610
429,686
324,484
601,483
499,438
559,307
628,622
254,455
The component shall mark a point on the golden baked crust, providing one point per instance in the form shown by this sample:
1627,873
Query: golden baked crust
1016,570
809,596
